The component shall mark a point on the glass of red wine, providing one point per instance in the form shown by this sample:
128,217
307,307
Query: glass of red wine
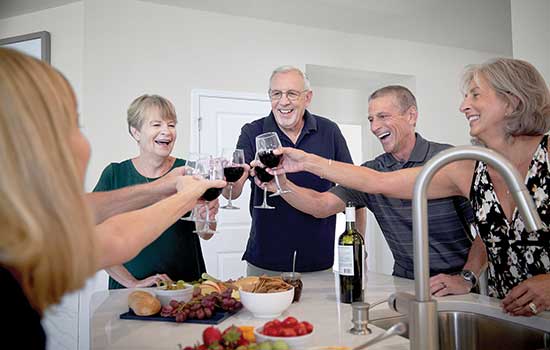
191,165
211,169
264,177
233,169
265,144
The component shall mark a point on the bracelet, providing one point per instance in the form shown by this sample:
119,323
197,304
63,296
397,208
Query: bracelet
322,176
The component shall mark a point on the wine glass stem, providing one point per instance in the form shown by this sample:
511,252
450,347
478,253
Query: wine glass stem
230,193
277,181
265,196
206,219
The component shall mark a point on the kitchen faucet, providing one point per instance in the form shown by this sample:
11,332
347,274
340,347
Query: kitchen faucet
421,308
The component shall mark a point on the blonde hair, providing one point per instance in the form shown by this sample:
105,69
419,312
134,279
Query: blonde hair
47,238
516,82
138,108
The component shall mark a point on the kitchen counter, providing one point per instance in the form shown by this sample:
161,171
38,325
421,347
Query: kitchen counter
317,305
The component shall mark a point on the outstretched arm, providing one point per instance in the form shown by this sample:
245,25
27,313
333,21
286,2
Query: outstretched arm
453,179
120,274
122,236
110,203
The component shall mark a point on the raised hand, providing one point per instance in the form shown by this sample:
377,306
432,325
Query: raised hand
293,160
196,185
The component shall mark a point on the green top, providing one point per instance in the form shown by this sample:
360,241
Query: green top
177,252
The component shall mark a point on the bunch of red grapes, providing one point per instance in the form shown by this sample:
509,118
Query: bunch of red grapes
201,307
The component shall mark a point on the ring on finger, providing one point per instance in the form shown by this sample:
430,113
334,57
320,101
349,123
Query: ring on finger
533,308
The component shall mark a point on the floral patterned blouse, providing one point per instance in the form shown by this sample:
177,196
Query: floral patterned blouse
514,254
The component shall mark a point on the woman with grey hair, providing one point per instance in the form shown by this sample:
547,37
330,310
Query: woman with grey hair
507,105
176,254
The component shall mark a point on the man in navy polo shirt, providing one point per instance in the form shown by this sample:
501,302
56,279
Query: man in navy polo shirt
455,262
276,234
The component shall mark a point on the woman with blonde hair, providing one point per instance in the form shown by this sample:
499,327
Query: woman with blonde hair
49,245
507,105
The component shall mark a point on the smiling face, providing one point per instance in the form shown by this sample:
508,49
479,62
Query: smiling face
289,114
485,110
157,135
393,127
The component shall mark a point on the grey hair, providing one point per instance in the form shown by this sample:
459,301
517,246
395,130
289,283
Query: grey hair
404,96
516,81
285,69
138,107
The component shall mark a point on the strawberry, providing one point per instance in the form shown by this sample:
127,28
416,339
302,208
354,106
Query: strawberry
211,335
231,337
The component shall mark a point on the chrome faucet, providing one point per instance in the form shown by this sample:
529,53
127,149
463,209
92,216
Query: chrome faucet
422,309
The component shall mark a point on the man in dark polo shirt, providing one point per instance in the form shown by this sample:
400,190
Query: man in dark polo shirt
276,234
455,262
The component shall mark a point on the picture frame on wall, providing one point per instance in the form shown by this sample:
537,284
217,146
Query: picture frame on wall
34,44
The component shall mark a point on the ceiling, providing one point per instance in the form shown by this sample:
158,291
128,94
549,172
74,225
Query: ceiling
482,25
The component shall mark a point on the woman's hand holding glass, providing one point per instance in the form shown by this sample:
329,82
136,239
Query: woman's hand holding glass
209,169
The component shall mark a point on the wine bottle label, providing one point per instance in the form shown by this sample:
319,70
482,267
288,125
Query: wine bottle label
345,260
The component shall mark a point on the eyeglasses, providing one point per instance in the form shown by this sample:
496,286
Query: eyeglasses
292,95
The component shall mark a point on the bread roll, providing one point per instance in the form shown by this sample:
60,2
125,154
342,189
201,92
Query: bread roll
143,303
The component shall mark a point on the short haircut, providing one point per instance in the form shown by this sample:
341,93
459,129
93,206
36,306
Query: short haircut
139,107
516,78
285,69
405,98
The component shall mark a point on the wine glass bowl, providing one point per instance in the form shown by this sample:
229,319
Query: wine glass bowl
265,145
210,169
233,170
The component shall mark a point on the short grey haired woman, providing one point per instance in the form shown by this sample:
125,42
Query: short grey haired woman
176,254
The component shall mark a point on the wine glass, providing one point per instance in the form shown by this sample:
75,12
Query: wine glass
191,163
265,144
211,169
233,169
264,177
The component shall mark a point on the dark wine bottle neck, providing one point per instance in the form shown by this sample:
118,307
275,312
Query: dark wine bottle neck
350,226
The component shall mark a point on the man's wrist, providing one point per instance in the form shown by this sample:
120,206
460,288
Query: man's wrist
469,276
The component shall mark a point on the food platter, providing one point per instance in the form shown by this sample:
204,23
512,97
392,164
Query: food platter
217,317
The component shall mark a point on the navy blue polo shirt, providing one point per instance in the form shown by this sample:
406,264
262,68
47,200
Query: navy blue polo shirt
275,234
448,218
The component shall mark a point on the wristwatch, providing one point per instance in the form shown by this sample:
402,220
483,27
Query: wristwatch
469,276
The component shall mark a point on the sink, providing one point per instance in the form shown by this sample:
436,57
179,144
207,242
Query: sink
460,330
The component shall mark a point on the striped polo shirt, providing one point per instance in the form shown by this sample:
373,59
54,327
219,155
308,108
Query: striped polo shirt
448,218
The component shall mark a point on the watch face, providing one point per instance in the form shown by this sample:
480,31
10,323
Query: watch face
467,275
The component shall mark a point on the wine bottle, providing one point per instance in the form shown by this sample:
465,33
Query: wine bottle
351,260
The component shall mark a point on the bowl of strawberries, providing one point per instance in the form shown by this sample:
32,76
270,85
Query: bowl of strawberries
296,334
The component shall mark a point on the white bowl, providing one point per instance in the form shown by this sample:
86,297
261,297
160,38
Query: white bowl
267,305
298,342
181,295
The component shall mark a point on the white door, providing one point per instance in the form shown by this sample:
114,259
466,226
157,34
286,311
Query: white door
216,123
219,116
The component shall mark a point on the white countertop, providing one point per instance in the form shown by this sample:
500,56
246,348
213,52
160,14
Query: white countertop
317,305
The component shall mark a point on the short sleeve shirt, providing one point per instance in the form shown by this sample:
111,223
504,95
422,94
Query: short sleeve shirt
448,218
275,234
176,252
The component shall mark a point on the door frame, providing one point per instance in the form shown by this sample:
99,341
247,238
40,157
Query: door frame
195,120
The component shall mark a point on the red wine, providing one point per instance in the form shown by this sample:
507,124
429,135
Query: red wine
269,159
263,175
233,173
211,194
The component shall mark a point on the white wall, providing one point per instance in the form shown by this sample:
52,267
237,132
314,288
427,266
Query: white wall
65,25
112,51
531,33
